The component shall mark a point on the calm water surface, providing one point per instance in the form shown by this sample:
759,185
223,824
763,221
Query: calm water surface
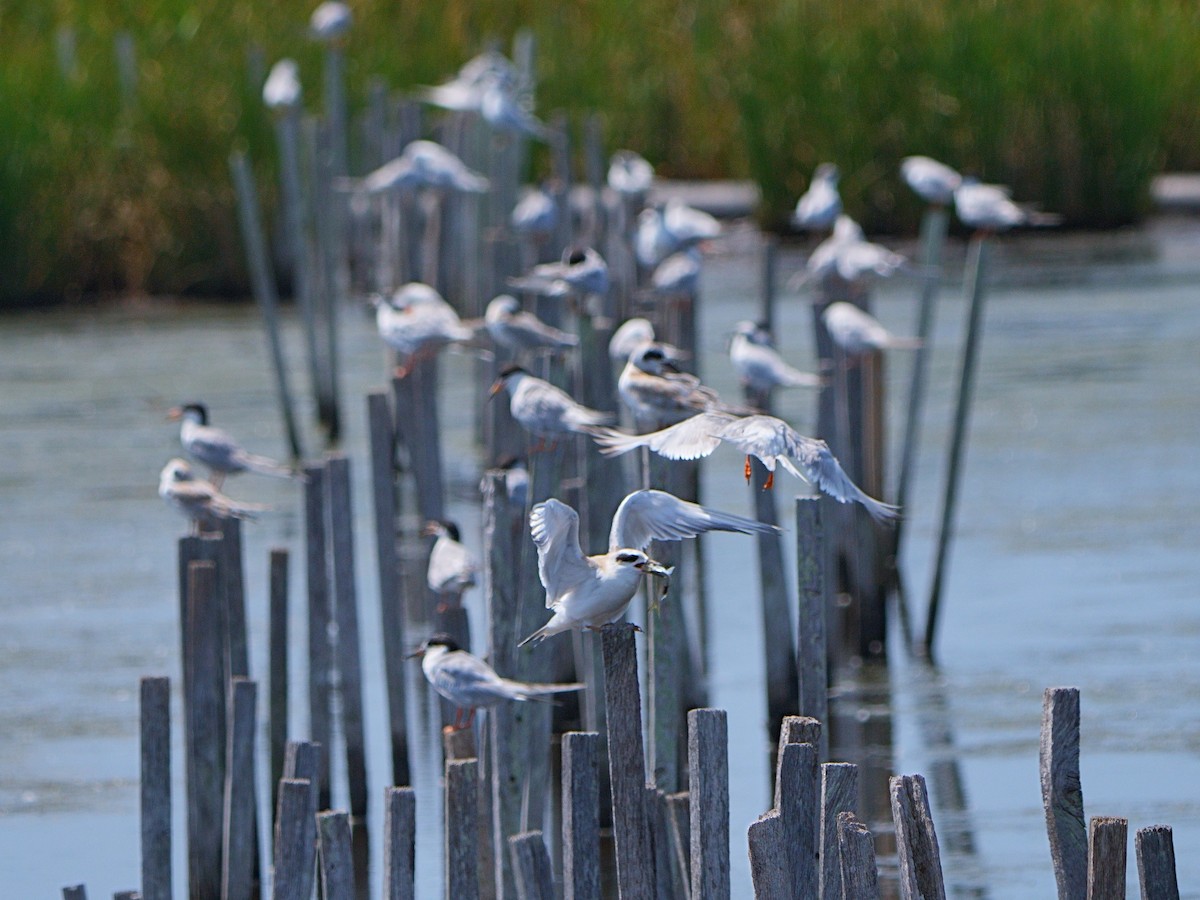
1075,562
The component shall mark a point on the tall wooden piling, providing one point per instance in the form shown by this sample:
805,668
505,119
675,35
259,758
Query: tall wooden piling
391,602
461,847
1062,791
839,794
626,762
240,873
708,791
278,666
580,816
337,863
320,651
531,864
813,591
295,840
155,786
399,844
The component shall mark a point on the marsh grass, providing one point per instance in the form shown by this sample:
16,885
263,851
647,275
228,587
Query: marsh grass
1075,103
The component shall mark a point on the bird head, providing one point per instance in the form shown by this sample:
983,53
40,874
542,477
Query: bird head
507,374
441,527
502,307
441,639
638,560
177,470
198,412
653,359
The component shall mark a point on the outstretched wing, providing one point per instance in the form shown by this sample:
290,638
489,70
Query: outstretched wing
561,564
649,515
692,438
819,466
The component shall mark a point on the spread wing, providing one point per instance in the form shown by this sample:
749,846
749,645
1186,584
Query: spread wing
692,438
649,515
561,564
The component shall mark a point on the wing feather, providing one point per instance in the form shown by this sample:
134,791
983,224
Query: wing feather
650,515
693,438
561,563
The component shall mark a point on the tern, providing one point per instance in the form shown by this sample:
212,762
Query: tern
502,108
759,365
535,215
469,683
416,322
632,334
545,411
819,206
767,438
932,181
581,271
330,21
857,332
423,164
667,228
592,591
452,568
989,207
464,92
199,500
846,255
655,390
523,332
629,174
281,91
679,273
217,448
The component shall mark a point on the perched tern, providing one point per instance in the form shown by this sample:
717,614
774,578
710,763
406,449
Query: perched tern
632,334
857,332
581,271
679,273
592,591
198,499
629,174
759,365
464,92
989,207
819,206
217,449
451,569
655,390
932,181
535,215
469,683
667,228
523,332
281,91
846,255
652,242
423,164
516,479
416,322
545,411
330,21
767,438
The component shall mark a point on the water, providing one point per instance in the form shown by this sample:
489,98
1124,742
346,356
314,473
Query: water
1074,563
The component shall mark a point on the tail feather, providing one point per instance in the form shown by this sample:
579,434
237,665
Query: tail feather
538,636
264,465
533,691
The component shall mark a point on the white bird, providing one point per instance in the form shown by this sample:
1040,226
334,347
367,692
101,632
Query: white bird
535,215
330,20
199,500
989,207
545,411
281,91
687,225
656,391
759,365
679,273
767,438
516,480
452,568
217,448
932,181
464,92
820,205
632,334
629,174
423,164
416,322
523,332
847,256
652,242
503,109
592,591
469,683
857,332
581,271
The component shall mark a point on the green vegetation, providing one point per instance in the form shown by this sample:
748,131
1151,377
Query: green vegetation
1075,103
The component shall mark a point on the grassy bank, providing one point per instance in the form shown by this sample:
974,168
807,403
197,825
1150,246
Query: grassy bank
1077,104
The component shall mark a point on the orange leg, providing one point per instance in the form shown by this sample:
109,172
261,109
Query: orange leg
770,482
748,470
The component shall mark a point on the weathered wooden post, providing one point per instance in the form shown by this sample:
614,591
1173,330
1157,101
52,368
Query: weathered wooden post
531,865
278,666
239,852
839,794
1062,791
1156,863
797,797
295,840
461,811
155,782
770,868
856,851
320,651
337,864
1108,837
916,841
708,792
399,844
813,589
580,816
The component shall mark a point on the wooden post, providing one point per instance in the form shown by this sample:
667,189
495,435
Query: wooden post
341,527
1108,837
240,870
839,794
916,841
155,708
295,840
416,399
856,852
320,653
797,797
1155,848
770,866
399,844
391,603
814,599
580,816
461,846
626,763
1062,791
264,287
278,711
205,708
337,864
708,790
531,865
976,291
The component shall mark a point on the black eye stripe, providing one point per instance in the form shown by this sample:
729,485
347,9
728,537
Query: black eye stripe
627,557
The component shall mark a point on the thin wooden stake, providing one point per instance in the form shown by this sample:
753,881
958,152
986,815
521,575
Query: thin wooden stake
1156,863
813,589
320,652
916,841
856,851
278,711
839,794
461,845
1108,839
708,789
156,787
240,870
337,864
580,816
399,844
205,709
295,840
531,864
